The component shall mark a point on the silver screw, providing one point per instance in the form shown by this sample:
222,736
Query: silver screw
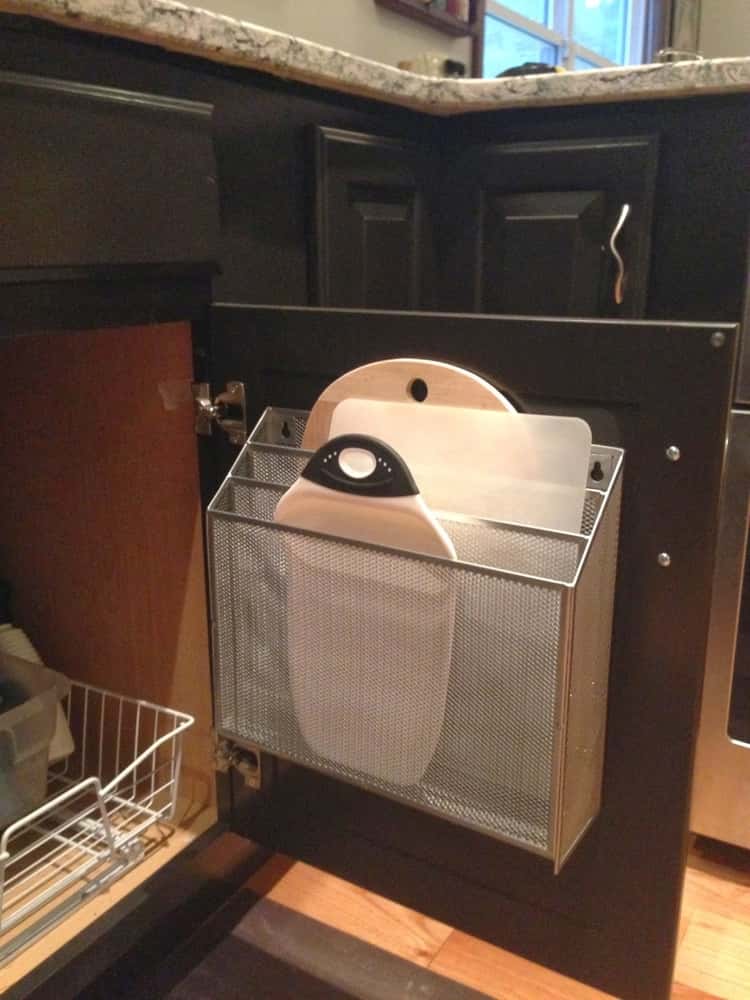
673,453
718,339
664,559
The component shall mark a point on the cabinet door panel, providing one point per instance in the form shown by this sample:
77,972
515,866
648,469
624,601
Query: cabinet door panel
97,178
371,236
528,227
605,919
542,252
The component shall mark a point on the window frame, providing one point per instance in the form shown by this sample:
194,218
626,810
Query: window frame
561,35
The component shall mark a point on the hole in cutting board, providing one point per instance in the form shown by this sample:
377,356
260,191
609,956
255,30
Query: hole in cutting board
418,390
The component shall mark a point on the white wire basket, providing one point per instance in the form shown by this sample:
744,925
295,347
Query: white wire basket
121,779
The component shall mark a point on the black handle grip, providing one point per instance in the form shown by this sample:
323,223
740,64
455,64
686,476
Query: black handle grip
389,478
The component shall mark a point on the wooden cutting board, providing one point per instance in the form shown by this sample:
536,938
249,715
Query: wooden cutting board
402,380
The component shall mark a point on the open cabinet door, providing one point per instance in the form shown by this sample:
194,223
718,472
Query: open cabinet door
610,917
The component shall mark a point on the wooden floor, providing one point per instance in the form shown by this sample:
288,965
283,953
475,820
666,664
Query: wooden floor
713,962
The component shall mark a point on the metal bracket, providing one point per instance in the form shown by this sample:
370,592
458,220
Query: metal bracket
244,760
227,411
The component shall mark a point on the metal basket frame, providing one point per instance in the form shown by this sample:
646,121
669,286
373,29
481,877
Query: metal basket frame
100,803
586,593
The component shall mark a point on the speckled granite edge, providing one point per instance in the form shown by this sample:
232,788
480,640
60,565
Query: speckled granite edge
177,27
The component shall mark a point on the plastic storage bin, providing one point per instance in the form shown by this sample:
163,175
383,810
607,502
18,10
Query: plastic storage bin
28,715
513,744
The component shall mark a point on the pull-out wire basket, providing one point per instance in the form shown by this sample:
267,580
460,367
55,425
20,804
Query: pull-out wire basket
121,779
332,653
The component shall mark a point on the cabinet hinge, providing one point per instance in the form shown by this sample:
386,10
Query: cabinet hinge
245,760
227,411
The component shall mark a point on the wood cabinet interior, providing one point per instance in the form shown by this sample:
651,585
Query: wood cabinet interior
102,532
102,541
162,845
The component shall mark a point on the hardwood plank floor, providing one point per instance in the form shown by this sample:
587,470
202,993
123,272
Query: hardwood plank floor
354,910
713,960
682,992
503,975
715,956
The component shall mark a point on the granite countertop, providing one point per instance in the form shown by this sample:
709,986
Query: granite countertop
177,27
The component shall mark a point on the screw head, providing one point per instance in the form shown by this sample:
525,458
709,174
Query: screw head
718,339
664,559
673,453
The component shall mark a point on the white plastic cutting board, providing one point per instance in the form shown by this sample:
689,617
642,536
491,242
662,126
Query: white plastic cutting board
400,523
369,633
526,468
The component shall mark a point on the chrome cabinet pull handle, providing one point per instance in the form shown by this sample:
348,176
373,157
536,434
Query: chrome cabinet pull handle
619,290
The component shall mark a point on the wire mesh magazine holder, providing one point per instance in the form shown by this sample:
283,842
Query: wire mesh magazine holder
329,652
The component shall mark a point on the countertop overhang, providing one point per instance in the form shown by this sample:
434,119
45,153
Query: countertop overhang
191,30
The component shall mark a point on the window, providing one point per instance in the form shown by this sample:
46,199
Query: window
576,34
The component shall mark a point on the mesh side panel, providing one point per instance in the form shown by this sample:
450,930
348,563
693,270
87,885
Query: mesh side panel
591,505
493,764
513,548
589,675
271,465
222,560
312,642
249,501
280,427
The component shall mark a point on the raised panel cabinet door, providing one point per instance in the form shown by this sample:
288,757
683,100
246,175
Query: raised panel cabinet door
371,245
611,917
542,247
534,228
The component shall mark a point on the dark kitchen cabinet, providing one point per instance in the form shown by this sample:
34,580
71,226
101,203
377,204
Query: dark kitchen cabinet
532,227
407,226
82,184
641,383
557,228
372,236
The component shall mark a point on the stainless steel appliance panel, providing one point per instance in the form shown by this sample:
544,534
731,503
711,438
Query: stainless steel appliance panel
721,789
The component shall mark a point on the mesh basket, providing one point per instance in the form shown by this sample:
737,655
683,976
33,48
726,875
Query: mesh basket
474,689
